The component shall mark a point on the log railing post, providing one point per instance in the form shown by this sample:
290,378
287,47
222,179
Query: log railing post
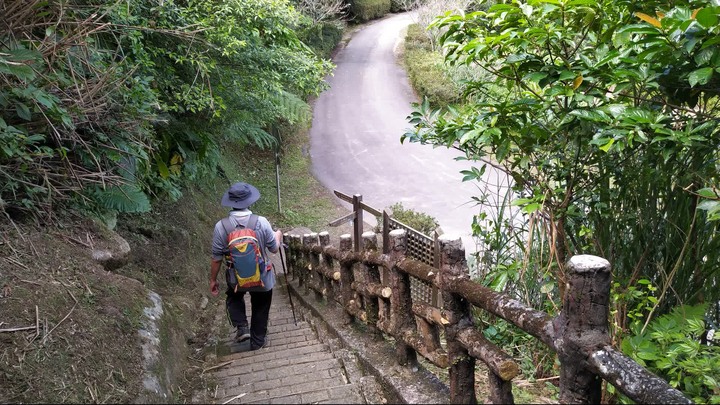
346,278
286,252
462,365
329,263
581,326
306,266
358,222
314,273
294,257
401,315
372,276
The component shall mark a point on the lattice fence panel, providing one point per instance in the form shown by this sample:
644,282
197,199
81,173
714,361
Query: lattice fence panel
422,248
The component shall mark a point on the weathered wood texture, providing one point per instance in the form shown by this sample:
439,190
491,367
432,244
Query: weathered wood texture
579,334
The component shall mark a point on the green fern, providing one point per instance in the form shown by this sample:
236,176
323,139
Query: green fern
248,133
123,198
291,107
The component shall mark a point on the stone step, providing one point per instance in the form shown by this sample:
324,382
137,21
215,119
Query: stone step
318,391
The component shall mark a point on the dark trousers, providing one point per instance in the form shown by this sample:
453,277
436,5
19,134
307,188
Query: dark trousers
260,307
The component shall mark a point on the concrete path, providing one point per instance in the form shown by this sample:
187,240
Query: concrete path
295,367
355,138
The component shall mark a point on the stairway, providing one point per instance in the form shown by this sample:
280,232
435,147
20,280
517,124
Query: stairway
294,367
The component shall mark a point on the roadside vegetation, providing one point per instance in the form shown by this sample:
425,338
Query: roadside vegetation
605,115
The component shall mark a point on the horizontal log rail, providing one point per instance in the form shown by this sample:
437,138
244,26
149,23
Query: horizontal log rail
578,334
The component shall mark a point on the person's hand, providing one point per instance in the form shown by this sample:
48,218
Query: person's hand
279,238
214,289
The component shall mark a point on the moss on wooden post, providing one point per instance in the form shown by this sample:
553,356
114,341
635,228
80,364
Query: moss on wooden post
328,263
401,315
372,277
462,365
306,263
346,278
294,258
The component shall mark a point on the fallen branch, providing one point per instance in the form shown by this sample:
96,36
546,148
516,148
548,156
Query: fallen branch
234,398
218,366
17,329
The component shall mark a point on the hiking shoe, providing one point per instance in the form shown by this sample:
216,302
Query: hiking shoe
265,344
243,334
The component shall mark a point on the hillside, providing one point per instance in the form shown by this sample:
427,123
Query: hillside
122,315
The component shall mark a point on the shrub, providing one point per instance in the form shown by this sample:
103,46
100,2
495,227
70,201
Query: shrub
366,10
429,79
669,347
397,6
417,220
321,37
426,69
417,38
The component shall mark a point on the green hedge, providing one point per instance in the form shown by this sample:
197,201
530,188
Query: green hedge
322,37
397,6
366,10
426,72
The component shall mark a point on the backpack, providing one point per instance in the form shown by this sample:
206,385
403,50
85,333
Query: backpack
244,259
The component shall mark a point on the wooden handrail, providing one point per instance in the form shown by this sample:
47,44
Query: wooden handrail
579,333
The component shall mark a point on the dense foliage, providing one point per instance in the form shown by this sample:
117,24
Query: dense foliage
107,104
604,114
365,10
424,69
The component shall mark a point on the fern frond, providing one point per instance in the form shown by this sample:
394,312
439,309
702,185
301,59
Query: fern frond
291,107
247,132
124,198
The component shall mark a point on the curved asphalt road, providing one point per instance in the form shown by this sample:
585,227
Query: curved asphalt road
355,136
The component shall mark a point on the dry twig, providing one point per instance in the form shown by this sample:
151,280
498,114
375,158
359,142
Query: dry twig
234,398
15,262
17,329
216,367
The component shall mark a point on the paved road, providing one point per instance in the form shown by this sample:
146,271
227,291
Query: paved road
355,136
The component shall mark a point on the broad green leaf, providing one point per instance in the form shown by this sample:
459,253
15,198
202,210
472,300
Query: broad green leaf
532,207
23,111
535,77
709,193
700,76
521,201
566,74
708,205
707,17
704,56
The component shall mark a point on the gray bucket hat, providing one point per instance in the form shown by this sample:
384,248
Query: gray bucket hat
240,195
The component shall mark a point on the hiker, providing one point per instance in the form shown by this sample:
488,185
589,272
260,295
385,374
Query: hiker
239,197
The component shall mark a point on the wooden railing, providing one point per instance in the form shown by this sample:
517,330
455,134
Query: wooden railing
383,301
